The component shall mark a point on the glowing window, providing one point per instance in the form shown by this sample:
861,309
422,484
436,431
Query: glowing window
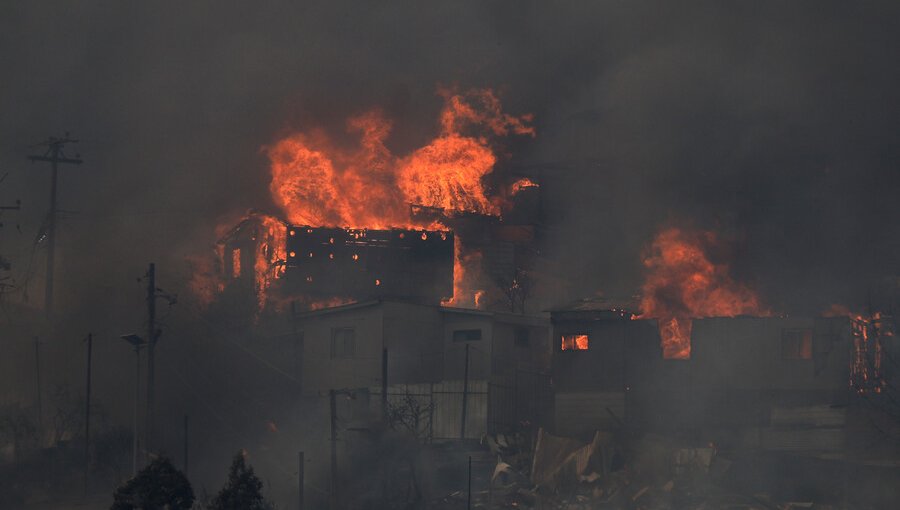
236,263
796,343
575,342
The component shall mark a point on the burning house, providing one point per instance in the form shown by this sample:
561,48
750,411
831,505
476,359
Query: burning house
436,225
779,384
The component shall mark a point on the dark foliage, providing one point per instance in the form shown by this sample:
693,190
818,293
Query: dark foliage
157,486
242,491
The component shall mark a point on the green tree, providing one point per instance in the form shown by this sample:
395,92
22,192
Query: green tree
158,486
242,491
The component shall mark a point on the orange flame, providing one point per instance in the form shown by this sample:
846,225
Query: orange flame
681,283
270,250
521,184
869,332
314,182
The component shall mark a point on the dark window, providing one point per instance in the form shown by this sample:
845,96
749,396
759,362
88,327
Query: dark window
343,343
796,343
466,335
576,342
522,339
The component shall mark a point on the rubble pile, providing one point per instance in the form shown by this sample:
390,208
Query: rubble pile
650,473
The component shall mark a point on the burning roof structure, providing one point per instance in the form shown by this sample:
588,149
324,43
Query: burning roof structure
363,223
367,263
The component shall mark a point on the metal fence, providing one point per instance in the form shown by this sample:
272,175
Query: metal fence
434,411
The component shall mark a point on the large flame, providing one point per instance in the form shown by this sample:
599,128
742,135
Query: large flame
682,283
315,182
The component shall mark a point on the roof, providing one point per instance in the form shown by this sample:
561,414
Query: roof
599,304
500,316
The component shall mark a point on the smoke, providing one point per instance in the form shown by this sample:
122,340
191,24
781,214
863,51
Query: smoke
774,125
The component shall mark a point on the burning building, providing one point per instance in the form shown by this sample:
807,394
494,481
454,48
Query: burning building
416,264
776,383
363,223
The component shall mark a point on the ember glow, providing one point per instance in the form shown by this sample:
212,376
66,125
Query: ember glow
870,334
521,184
270,251
681,283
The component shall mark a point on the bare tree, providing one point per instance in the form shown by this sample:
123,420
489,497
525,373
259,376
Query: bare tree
517,289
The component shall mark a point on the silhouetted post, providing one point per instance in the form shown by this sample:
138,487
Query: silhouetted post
332,395
300,480
37,371
54,155
136,342
465,396
384,384
87,413
186,436
151,349
137,398
469,490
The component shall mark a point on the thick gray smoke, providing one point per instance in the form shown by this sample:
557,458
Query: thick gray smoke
774,124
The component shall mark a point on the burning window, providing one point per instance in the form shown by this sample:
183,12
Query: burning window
236,263
796,343
575,342
343,343
466,335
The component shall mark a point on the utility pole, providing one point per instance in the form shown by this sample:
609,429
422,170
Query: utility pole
151,348
332,396
465,396
137,342
54,155
37,370
384,384
87,414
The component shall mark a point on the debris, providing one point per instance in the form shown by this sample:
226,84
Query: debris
640,493
564,462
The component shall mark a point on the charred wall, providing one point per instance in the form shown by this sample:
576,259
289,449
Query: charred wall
747,383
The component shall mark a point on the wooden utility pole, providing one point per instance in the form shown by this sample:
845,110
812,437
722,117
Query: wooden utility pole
332,396
87,414
465,396
152,335
54,155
